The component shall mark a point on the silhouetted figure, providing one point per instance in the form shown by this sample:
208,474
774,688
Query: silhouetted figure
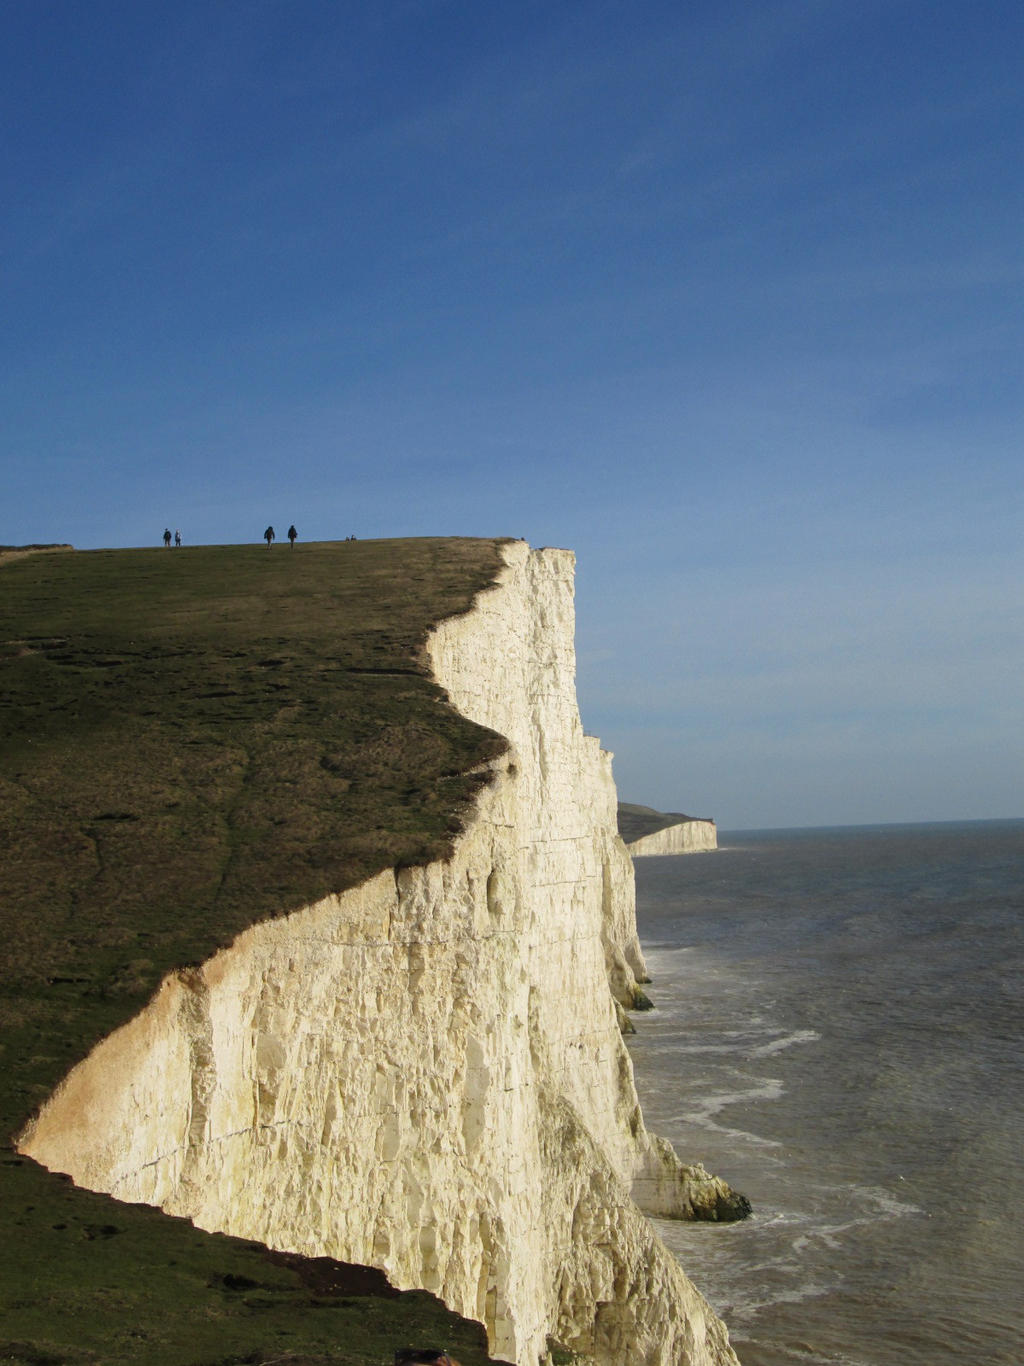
268,536
177,537
292,533
167,537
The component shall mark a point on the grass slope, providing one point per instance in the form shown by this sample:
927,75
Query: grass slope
192,740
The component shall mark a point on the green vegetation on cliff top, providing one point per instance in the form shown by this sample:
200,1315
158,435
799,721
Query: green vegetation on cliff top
192,740
637,821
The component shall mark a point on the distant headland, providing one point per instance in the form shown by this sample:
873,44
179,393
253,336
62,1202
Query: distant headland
646,831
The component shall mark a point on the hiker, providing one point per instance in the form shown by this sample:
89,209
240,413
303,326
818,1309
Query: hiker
268,536
177,537
292,533
167,537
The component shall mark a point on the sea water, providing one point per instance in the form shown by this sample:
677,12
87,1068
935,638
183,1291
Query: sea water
838,1034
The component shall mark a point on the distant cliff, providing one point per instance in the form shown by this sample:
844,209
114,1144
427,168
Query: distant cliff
646,831
426,1073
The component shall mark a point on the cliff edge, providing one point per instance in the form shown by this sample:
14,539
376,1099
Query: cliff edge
646,831
426,1073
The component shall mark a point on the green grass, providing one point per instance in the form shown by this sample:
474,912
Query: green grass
190,741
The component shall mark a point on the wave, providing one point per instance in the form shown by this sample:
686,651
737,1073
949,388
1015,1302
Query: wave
768,1050
704,1109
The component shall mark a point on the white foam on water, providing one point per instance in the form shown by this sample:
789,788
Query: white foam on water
794,1295
887,1204
768,1050
704,1109
788,1256
877,1205
767,1274
721,1049
803,1354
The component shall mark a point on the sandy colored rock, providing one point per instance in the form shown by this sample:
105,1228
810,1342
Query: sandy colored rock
687,837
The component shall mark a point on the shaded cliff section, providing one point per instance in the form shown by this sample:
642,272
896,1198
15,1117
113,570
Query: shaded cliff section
646,831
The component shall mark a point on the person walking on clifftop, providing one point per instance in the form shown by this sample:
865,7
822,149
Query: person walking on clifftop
268,536
167,537
292,533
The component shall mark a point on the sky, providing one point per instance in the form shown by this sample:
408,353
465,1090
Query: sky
726,297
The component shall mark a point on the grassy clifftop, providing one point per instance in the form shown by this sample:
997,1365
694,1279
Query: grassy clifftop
191,740
637,821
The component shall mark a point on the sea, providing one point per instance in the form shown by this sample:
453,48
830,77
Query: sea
838,1032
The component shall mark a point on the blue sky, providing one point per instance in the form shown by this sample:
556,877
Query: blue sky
726,297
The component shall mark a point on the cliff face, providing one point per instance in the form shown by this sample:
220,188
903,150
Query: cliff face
426,1073
688,837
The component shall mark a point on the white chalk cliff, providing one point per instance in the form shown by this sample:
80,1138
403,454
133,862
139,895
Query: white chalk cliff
426,1073
687,837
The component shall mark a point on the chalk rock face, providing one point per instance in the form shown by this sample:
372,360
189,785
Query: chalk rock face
426,1073
688,837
